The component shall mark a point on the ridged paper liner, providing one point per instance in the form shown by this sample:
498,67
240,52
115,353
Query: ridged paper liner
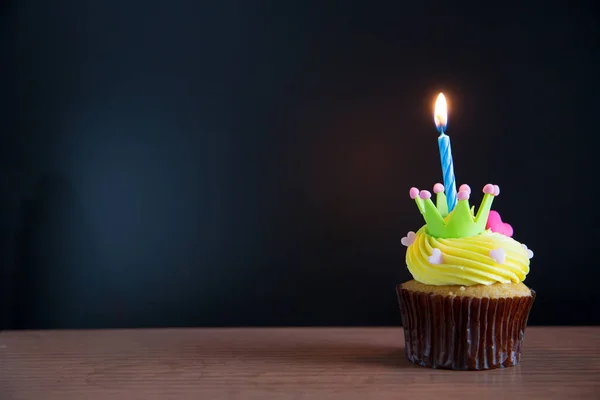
463,333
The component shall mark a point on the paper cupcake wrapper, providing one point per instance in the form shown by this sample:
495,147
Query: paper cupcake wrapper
463,333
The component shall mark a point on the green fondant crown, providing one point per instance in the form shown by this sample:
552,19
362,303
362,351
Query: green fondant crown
460,222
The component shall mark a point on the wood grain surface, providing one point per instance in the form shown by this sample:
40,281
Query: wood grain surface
280,363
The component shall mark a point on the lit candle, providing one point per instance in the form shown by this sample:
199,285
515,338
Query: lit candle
441,122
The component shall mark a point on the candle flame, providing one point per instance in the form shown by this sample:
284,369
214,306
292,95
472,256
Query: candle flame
440,115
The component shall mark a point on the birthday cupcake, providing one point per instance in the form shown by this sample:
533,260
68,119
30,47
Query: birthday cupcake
467,306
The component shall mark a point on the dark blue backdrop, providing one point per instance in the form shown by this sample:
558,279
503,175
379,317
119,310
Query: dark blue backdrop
248,162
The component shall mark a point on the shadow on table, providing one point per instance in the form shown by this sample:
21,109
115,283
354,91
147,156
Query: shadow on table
325,353
395,358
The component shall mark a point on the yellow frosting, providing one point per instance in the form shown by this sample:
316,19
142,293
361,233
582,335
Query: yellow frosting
466,261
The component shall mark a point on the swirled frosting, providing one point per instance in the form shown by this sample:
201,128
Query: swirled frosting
466,261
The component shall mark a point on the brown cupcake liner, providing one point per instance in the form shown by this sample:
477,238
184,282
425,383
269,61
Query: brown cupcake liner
463,333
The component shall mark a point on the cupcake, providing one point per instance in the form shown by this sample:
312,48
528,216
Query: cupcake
467,306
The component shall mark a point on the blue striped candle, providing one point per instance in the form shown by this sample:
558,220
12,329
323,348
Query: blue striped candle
441,122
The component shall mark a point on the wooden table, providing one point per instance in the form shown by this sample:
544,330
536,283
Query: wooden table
282,363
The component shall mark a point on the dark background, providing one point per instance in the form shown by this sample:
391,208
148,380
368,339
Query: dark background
197,163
